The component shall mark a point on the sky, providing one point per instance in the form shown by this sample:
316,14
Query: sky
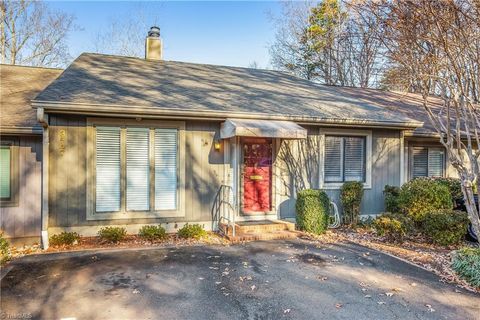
233,33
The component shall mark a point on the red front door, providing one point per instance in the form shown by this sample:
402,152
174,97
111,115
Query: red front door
257,176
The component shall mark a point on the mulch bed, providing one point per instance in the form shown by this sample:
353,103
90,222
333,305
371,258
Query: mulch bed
417,250
130,241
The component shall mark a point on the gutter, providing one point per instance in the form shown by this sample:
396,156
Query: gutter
154,112
43,119
26,131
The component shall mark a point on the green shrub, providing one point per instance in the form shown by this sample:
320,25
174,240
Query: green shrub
194,231
351,197
420,196
394,227
64,238
152,233
112,234
454,186
466,263
446,227
4,249
391,194
312,208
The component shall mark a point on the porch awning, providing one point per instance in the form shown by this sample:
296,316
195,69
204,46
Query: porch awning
262,128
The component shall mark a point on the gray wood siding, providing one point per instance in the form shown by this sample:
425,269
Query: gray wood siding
68,162
24,220
385,170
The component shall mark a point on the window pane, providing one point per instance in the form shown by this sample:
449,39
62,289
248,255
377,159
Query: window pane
420,162
5,172
138,169
354,159
435,162
108,169
165,169
333,159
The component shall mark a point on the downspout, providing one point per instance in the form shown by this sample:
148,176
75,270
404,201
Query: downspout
402,158
43,119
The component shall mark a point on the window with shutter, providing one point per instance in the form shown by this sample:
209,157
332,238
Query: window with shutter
166,169
428,162
436,162
333,166
138,169
344,159
5,175
354,158
107,169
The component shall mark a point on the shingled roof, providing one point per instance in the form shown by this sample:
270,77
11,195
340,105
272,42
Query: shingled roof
96,83
18,86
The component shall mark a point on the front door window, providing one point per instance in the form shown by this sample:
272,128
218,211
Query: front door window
257,176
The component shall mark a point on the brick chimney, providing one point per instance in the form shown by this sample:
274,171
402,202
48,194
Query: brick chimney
153,45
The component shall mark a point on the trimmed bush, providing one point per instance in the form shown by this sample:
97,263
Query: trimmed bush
421,196
64,239
4,249
391,194
152,233
312,208
466,263
194,231
394,227
351,197
454,186
112,234
446,227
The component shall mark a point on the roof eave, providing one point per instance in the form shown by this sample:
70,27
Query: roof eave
12,130
163,113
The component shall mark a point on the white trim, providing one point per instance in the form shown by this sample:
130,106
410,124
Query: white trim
368,156
402,158
45,183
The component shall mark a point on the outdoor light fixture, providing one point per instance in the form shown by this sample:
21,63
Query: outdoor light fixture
217,145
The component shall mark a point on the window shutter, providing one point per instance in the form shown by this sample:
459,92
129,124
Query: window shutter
420,162
354,158
165,169
5,166
138,169
333,159
108,169
435,162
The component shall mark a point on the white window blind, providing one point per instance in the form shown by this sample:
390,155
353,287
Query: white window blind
435,162
420,162
5,165
138,169
107,169
354,158
165,169
333,165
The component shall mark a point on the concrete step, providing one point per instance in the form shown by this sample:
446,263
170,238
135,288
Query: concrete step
272,235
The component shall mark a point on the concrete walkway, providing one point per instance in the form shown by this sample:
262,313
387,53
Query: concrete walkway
291,279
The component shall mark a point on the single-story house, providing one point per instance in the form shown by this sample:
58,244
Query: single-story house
130,141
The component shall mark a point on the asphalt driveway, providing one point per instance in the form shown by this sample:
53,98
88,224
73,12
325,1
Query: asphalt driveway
293,279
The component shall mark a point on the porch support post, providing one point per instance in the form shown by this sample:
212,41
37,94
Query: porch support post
402,158
45,171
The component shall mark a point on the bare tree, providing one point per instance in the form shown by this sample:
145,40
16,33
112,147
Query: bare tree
31,34
327,42
125,35
437,45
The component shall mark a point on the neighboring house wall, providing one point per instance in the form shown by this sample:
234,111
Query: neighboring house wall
21,219
204,173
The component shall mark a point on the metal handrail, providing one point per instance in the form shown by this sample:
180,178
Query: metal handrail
225,209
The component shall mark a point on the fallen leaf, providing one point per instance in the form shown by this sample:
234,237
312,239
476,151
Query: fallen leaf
200,278
413,284
381,302
136,291
368,296
253,287
389,294
286,311
217,282
338,305
323,278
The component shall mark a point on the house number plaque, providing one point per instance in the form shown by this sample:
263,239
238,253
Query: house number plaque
62,137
